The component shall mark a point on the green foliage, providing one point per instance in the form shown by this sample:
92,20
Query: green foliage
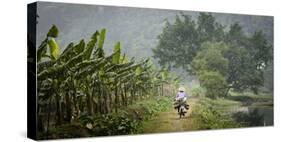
127,121
138,70
177,44
66,131
208,28
249,98
180,42
209,117
112,124
50,41
117,53
53,32
197,91
101,38
263,52
268,78
54,49
42,50
83,82
164,75
211,67
206,45
214,83
236,36
248,58
91,45
79,47
211,58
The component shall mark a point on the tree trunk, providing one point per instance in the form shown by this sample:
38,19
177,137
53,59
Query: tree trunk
94,104
58,111
162,89
122,95
40,123
110,100
76,107
105,101
132,95
48,118
89,104
226,92
116,98
100,100
68,107
125,95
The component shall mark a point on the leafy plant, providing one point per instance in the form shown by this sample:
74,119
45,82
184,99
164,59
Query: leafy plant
82,84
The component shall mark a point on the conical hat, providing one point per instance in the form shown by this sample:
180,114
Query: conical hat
182,89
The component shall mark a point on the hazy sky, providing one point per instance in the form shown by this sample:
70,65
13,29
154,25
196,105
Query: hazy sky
136,28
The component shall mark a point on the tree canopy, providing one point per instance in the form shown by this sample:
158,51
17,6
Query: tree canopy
208,49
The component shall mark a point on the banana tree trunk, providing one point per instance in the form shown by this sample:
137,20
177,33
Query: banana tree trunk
116,98
110,101
68,107
75,106
48,118
125,95
58,111
94,104
105,97
99,101
89,104
122,95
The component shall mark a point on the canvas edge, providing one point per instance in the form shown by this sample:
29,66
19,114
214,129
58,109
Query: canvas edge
31,71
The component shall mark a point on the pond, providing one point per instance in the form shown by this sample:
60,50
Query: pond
253,115
265,111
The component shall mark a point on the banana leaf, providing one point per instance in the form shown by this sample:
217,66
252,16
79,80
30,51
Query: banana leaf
54,49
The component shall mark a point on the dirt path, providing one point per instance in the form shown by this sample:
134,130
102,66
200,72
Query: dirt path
169,121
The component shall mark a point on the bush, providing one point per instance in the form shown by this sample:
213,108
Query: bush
210,118
214,83
66,131
127,121
197,91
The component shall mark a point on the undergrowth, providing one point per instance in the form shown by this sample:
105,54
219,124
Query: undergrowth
125,121
211,118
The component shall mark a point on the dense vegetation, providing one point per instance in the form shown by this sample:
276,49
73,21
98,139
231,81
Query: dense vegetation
85,90
211,117
222,112
222,59
82,83
127,121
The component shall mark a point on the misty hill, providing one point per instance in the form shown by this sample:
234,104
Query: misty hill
136,28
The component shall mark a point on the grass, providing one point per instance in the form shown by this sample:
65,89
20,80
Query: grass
169,121
216,114
213,113
211,116
221,102
206,114
248,98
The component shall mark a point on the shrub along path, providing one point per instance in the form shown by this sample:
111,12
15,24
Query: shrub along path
169,121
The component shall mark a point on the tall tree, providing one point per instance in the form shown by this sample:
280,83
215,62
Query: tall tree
211,67
178,43
183,43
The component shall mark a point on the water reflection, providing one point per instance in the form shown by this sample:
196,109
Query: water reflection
254,116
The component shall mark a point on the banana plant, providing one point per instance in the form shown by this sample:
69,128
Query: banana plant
82,80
